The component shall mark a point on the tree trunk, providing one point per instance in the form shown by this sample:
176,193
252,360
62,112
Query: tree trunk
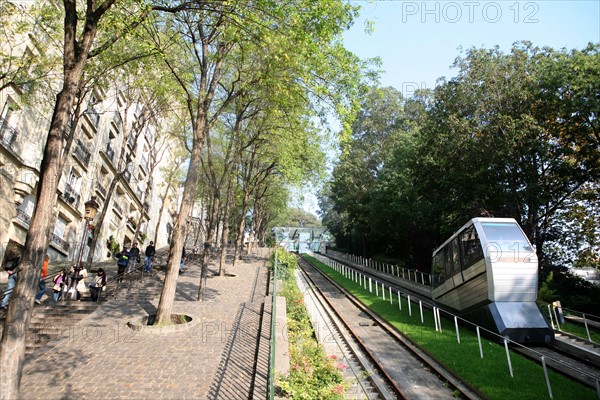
20,308
205,260
239,241
167,296
225,235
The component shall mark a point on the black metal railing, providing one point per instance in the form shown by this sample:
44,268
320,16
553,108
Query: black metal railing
71,196
93,116
82,152
23,217
60,242
131,141
118,208
101,189
8,134
110,153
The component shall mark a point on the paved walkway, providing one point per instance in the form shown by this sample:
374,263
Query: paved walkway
214,358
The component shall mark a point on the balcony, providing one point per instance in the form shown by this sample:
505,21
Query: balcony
131,142
101,190
110,152
61,243
131,223
82,153
93,116
117,208
71,196
23,217
8,134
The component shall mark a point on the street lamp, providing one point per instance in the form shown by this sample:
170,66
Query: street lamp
91,208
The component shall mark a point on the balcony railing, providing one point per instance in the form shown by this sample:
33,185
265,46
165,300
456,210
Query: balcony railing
101,189
118,208
60,242
93,116
110,153
71,196
131,141
23,217
144,163
8,134
82,152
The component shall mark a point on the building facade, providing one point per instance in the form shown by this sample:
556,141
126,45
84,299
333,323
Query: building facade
114,140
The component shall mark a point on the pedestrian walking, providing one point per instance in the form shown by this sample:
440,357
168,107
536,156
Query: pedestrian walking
150,251
135,256
60,282
182,262
42,282
98,284
122,263
12,270
79,282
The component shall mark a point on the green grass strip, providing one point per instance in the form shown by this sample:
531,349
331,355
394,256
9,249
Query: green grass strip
490,375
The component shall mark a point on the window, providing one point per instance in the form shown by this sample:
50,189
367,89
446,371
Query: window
505,240
60,227
75,181
470,247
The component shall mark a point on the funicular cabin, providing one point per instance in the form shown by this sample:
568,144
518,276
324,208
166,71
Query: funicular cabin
487,272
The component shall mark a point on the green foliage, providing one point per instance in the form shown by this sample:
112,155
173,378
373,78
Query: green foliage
546,293
512,135
297,218
312,375
286,263
112,245
573,292
28,62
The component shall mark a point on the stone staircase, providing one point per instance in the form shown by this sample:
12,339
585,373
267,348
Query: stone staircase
51,320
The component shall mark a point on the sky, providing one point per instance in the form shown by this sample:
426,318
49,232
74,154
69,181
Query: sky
418,41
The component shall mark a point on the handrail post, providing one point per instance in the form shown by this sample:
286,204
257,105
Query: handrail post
273,313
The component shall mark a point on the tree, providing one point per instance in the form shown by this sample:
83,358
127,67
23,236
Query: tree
81,43
27,63
140,87
511,135
211,39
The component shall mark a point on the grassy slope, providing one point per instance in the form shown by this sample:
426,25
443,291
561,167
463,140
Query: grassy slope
491,374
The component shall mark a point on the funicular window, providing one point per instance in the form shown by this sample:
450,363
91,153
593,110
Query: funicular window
470,247
446,262
453,258
505,240
438,268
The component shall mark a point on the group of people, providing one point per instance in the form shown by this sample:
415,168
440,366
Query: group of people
75,284
126,256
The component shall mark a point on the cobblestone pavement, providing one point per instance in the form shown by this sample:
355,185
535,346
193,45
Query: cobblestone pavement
213,358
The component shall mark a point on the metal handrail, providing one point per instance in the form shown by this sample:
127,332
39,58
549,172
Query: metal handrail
273,313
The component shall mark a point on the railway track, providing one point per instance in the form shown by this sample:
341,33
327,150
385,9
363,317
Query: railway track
564,355
382,362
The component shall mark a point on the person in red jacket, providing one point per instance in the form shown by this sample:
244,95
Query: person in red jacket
42,283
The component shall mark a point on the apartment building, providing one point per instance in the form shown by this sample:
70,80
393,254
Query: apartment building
113,140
